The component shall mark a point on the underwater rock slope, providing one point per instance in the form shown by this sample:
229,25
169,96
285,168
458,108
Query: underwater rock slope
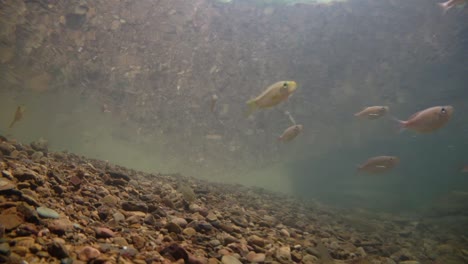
63,208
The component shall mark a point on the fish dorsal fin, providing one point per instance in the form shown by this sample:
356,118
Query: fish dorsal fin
413,115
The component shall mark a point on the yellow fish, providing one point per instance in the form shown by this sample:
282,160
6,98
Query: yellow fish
18,115
273,95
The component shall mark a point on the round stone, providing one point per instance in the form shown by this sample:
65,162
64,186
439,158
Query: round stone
47,212
227,259
6,185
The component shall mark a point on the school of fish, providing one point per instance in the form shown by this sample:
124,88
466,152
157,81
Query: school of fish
423,122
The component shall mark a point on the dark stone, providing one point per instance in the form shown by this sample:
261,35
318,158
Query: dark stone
24,185
57,176
296,256
30,200
149,219
153,207
26,229
158,213
75,21
173,228
6,148
75,180
4,259
58,189
200,226
116,182
175,252
118,175
103,212
4,249
216,224
135,206
167,202
40,145
29,212
23,174
58,250
240,221
19,147
146,197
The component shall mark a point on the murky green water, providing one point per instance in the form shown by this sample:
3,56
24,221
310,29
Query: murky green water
157,71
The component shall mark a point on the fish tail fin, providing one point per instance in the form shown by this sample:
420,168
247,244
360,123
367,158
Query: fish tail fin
401,125
444,6
358,170
461,167
252,106
401,128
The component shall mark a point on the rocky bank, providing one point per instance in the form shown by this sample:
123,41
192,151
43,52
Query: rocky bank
58,207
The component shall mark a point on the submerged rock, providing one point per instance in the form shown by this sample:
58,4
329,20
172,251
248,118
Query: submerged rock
47,212
88,253
141,223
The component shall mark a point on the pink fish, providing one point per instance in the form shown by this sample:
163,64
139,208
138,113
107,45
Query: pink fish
372,112
290,133
105,108
450,3
465,168
427,120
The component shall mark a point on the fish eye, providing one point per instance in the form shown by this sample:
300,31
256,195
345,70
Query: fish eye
443,111
285,84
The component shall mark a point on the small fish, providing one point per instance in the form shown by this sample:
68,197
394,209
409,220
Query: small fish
427,120
214,136
379,164
290,133
449,4
273,95
105,108
18,115
465,168
373,112
214,99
